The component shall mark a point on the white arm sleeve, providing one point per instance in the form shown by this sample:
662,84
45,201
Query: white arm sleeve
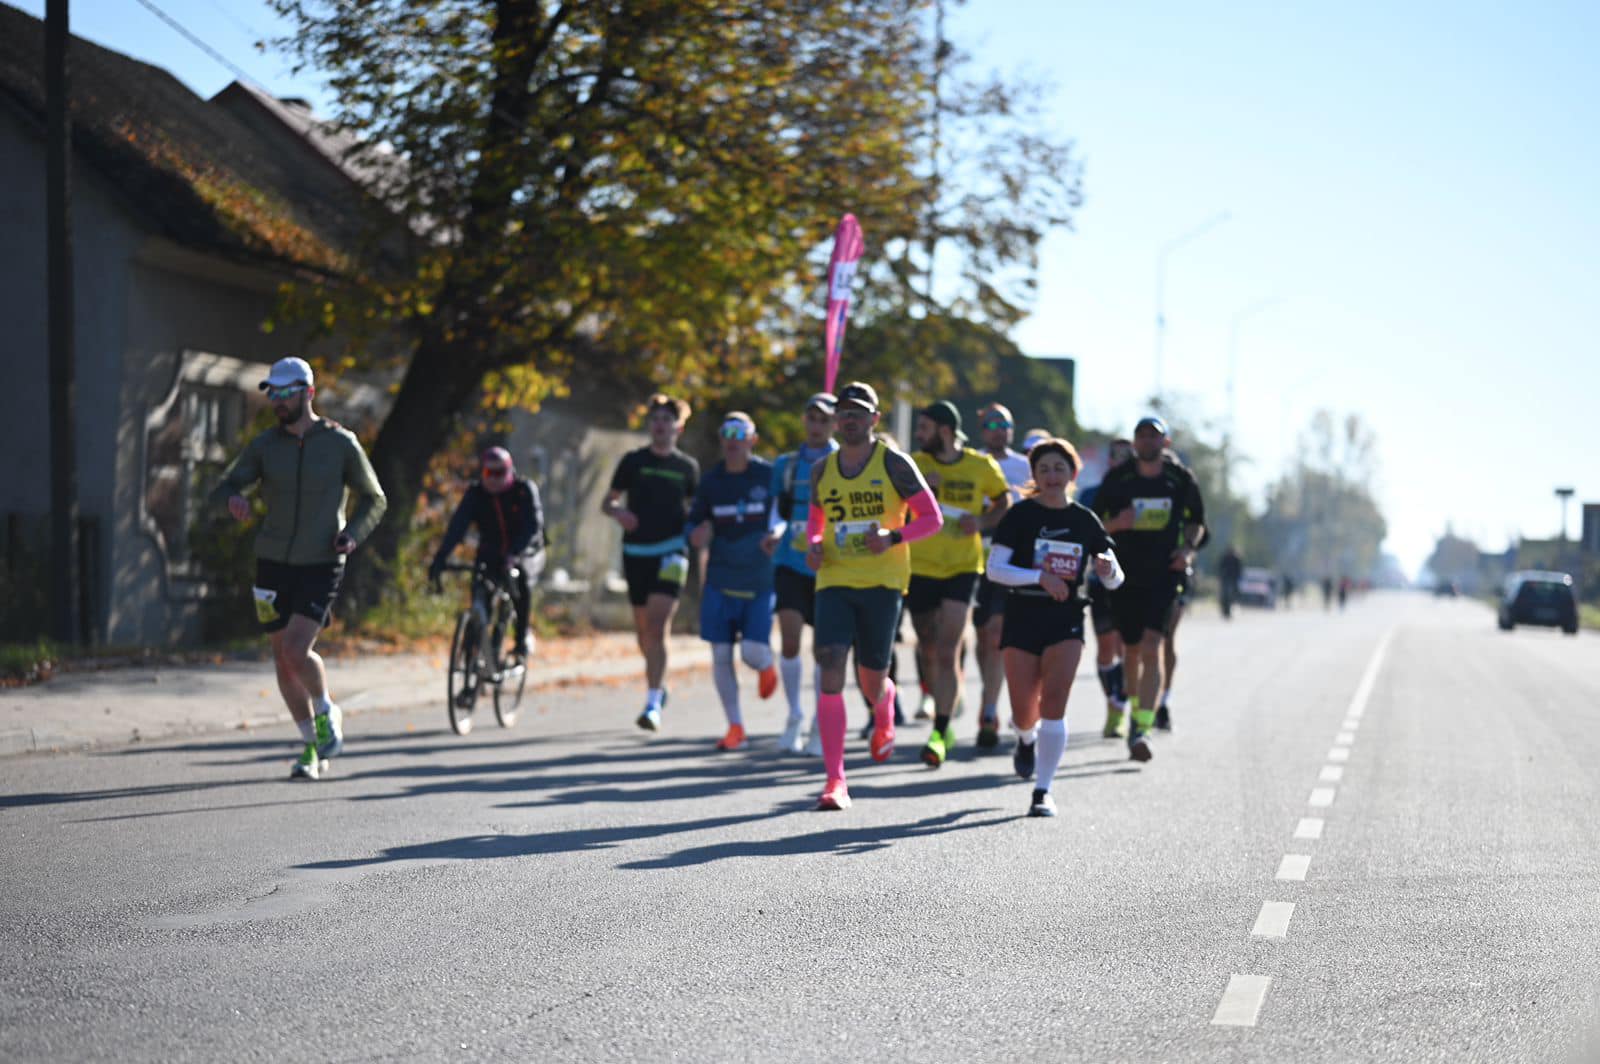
1114,581
1001,571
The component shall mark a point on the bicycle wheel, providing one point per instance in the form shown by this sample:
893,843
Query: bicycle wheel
508,692
463,682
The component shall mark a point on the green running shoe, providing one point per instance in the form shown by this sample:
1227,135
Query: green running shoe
308,767
1113,728
330,732
934,753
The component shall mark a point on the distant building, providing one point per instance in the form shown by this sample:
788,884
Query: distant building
187,215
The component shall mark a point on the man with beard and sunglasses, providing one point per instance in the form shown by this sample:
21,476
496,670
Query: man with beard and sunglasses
859,539
510,522
304,468
1152,506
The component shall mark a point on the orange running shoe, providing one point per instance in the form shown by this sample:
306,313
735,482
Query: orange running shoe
834,796
883,742
734,739
768,682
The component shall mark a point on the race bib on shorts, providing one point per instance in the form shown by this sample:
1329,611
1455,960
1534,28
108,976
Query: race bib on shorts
674,569
851,536
1151,515
1058,558
798,540
266,604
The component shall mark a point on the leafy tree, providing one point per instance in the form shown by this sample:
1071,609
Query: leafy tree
619,190
1322,518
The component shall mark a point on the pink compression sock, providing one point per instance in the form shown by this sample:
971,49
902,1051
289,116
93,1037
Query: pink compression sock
831,721
883,712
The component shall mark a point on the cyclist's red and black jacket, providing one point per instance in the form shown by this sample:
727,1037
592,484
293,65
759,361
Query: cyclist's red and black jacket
510,524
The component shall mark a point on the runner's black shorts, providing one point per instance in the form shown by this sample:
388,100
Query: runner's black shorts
929,592
643,573
1034,623
1141,609
796,591
991,601
866,618
1100,609
283,590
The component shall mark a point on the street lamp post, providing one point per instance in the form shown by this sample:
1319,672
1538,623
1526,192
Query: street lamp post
1161,284
1565,495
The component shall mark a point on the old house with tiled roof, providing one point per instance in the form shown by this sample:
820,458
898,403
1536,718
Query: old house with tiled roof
188,216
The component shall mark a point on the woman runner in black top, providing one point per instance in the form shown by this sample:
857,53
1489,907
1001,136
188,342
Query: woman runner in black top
1041,554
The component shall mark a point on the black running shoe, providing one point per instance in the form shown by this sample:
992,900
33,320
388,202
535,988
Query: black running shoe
1022,759
1043,804
988,733
1139,746
1163,718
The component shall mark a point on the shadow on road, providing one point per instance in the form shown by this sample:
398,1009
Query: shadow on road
494,847
842,841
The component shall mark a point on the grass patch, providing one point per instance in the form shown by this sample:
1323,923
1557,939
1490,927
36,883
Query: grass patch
23,663
1588,616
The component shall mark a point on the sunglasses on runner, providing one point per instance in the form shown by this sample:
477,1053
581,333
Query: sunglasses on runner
288,392
736,430
494,472
997,424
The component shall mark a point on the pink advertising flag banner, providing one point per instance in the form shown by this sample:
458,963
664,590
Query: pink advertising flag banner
847,248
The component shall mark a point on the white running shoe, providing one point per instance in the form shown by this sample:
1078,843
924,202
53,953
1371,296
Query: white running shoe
814,744
793,739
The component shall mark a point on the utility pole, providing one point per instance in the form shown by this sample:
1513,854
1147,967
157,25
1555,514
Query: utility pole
66,624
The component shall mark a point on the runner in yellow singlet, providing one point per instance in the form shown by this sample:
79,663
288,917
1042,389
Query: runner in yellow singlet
859,538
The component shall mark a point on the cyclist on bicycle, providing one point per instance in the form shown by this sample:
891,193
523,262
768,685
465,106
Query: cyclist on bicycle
505,508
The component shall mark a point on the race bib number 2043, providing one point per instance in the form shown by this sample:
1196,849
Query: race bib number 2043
1058,558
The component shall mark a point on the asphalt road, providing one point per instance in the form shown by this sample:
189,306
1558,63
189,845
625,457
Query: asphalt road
577,890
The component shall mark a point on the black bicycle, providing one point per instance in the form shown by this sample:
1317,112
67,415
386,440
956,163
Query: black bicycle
480,653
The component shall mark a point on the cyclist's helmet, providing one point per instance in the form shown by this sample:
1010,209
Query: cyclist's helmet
498,471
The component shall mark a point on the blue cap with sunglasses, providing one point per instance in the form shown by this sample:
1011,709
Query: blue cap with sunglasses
1153,422
287,372
738,426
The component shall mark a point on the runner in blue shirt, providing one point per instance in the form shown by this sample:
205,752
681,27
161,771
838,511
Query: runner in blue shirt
794,582
733,514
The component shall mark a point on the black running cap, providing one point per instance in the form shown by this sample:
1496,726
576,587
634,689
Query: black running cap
858,394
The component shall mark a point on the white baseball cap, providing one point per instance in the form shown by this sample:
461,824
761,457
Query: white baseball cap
287,371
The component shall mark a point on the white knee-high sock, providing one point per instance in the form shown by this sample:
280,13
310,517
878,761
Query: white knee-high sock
756,655
1052,744
789,669
726,680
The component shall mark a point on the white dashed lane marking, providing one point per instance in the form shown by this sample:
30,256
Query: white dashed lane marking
1345,738
1331,774
1294,867
1310,827
1241,1002
1339,753
1273,922
1322,797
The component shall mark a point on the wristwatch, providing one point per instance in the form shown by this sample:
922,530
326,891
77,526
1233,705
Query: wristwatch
895,537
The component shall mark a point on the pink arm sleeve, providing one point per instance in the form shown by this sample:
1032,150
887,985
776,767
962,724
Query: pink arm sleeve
925,517
816,520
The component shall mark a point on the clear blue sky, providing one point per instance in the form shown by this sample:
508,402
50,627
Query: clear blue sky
1415,182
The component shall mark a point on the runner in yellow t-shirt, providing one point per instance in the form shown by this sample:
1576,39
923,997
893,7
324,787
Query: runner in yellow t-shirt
973,495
